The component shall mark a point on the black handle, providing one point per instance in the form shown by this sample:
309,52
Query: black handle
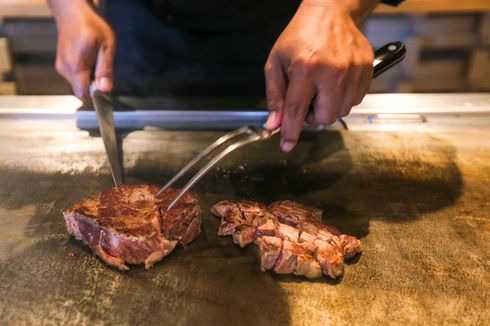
387,56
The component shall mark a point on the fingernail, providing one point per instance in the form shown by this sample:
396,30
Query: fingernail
271,121
104,84
287,146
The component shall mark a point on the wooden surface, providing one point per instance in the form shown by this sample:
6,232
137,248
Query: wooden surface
38,8
24,8
436,6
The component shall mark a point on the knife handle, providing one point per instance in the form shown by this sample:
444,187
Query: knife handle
387,56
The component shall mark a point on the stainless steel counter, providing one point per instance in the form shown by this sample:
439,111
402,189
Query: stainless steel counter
414,187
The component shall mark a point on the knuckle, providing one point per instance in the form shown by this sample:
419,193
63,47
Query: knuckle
301,67
110,37
76,65
76,68
344,113
358,100
109,43
60,67
321,120
295,110
330,119
268,68
339,69
88,33
78,93
369,58
357,64
325,116
273,104
68,63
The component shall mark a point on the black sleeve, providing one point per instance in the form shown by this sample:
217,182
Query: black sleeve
392,2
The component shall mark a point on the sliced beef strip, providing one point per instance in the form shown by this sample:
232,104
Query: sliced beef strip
308,266
231,216
268,228
127,224
330,257
269,249
290,237
244,235
308,219
288,259
288,232
352,246
294,259
292,213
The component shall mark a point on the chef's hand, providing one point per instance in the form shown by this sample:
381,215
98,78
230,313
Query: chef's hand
85,41
321,53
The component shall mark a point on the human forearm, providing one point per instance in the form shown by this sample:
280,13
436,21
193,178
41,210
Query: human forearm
86,44
357,9
62,9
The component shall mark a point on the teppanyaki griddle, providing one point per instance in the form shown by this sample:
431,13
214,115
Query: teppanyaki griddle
415,193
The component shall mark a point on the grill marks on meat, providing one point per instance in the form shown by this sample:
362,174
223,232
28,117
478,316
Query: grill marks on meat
291,237
128,224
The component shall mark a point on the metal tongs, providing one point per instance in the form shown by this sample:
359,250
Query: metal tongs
384,58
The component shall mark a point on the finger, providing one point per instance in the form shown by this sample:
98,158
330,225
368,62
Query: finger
62,69
351,91
80,81
328,102
275,83
310,116
78,65
104,66
365,83
298,99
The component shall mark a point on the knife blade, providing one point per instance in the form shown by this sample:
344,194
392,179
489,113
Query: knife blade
105,117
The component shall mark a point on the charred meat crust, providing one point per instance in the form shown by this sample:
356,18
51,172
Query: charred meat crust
290,236
128,225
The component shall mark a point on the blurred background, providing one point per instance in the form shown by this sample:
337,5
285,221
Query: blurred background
448,45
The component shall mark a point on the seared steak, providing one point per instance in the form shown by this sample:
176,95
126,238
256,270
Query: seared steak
291,237
128,224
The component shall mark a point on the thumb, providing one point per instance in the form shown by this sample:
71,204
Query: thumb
104,66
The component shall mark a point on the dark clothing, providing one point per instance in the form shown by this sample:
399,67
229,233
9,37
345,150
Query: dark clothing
189,47
392,2
194,47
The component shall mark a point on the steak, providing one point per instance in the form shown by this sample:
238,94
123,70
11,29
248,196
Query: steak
291,238
129,225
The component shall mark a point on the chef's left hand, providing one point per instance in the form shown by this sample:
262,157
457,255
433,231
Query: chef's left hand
321,53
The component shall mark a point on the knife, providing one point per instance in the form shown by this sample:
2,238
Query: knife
105,117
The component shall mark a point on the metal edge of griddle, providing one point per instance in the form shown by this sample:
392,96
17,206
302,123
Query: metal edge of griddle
177,120
66,107
36,107
219,120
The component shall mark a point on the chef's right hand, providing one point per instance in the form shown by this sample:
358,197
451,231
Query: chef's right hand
85,41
